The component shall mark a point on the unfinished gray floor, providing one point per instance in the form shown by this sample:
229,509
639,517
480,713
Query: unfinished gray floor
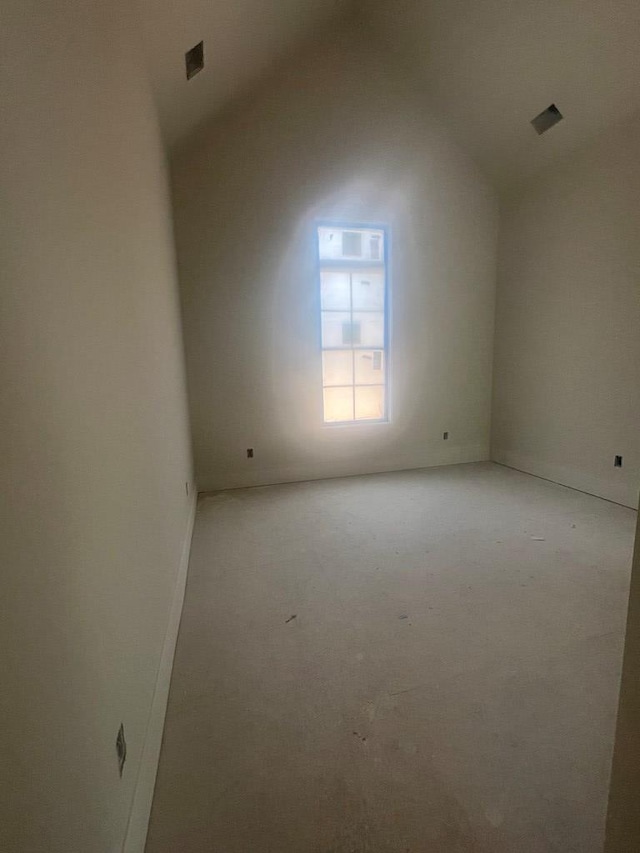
396,663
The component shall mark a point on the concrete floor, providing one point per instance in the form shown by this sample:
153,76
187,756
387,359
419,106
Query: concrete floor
396,663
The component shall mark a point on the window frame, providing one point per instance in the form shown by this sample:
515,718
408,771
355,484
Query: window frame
354,264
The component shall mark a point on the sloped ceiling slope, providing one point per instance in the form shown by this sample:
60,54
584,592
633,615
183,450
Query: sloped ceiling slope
490,66
242,39
486,66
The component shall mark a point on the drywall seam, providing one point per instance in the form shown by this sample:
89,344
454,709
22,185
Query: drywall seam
140,813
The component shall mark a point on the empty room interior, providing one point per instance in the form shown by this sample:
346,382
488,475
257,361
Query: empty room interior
320,426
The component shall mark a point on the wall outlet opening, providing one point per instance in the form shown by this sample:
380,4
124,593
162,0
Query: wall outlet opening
249,452
617,462
445,436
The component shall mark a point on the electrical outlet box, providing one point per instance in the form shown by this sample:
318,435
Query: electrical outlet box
445,436
617,462
249,452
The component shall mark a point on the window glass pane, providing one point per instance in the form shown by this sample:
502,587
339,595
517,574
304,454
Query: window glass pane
330,243
371,329
352,244
337,367
361,244
369,402
374,248
369,367
334,326
338,404
335,290
351,333
368,290
352,302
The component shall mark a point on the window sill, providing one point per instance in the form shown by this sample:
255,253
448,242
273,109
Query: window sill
332,424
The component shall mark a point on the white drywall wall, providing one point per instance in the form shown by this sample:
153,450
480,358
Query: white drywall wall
567,352
338,133
623,817
94,442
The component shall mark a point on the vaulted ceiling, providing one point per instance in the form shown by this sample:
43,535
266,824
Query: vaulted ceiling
490,66
242,40
486,66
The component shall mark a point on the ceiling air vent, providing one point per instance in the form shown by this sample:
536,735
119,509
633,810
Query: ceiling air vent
194,60
546,119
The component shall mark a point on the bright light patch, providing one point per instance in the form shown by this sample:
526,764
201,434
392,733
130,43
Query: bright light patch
353,289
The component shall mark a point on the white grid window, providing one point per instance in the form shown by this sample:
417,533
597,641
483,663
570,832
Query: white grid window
353,289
